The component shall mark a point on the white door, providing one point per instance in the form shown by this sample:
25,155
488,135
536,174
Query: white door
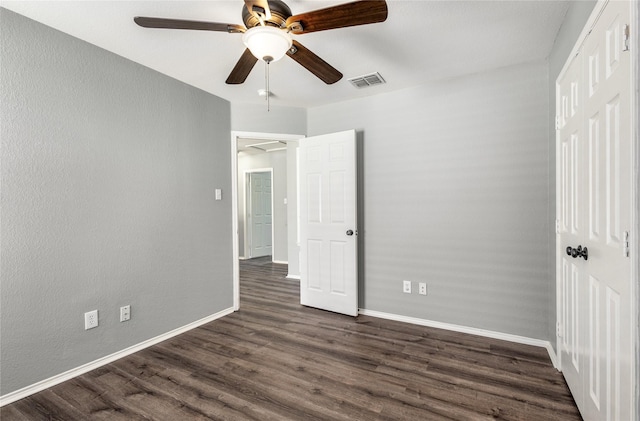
571,225
260,215
328,236
594,212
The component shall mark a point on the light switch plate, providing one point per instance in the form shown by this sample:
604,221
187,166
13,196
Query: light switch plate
406,287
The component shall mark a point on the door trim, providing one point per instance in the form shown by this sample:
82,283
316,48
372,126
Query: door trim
234,199
635,184
635,187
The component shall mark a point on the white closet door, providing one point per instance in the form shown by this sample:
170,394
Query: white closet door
595,163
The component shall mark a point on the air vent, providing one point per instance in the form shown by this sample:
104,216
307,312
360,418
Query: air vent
367,80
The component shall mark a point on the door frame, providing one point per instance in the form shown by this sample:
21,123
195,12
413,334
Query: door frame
234,199
634,246
247,201
635,184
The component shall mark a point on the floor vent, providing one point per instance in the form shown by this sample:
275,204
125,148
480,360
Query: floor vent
367,80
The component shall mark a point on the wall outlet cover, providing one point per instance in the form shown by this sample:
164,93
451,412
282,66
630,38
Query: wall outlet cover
90,319
125,313
422,288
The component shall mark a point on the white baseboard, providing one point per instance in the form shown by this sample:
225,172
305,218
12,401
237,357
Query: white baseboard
74,372
464,329
553,356
280,262
296,277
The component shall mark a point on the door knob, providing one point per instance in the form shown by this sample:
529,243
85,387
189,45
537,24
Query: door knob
583,252
578,252
349,232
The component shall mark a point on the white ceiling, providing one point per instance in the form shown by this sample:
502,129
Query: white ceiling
253,146
420,42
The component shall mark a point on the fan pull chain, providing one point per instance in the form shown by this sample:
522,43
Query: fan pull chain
266,82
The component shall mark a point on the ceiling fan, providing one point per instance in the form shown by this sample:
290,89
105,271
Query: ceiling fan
267,28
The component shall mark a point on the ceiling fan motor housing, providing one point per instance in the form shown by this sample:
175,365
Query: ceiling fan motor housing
280,12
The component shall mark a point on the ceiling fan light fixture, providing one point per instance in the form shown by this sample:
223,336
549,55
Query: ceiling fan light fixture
267,43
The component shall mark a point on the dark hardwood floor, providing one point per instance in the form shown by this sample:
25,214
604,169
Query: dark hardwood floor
277,360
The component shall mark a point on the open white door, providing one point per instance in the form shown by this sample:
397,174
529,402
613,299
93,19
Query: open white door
597,327
328,226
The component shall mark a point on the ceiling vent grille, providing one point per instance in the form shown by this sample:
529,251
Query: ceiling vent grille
367,80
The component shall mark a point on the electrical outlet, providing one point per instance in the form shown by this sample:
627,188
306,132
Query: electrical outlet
90,319
406,287
125,313
422,288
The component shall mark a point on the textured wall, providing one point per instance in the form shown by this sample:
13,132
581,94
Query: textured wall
256,118
574,21
455,193
278,162
108,176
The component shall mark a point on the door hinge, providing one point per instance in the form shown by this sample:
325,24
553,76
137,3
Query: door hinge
625,41
625,244
559,329
557,226
557,122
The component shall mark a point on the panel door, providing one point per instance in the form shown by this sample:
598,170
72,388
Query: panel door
260,214
608,315
594,212
571,191
328,243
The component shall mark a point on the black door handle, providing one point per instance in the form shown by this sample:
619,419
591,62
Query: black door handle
578,252
583,252
349,232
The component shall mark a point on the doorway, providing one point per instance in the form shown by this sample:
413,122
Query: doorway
275,147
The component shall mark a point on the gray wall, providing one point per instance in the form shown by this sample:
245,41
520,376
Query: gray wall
456,187
256,118
108,176
278,162
574,21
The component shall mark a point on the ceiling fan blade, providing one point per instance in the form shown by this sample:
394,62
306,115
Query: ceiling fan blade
242,68
259,8
147,22
341,16
323,70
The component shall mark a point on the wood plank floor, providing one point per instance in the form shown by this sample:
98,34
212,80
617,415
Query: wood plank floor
277,360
